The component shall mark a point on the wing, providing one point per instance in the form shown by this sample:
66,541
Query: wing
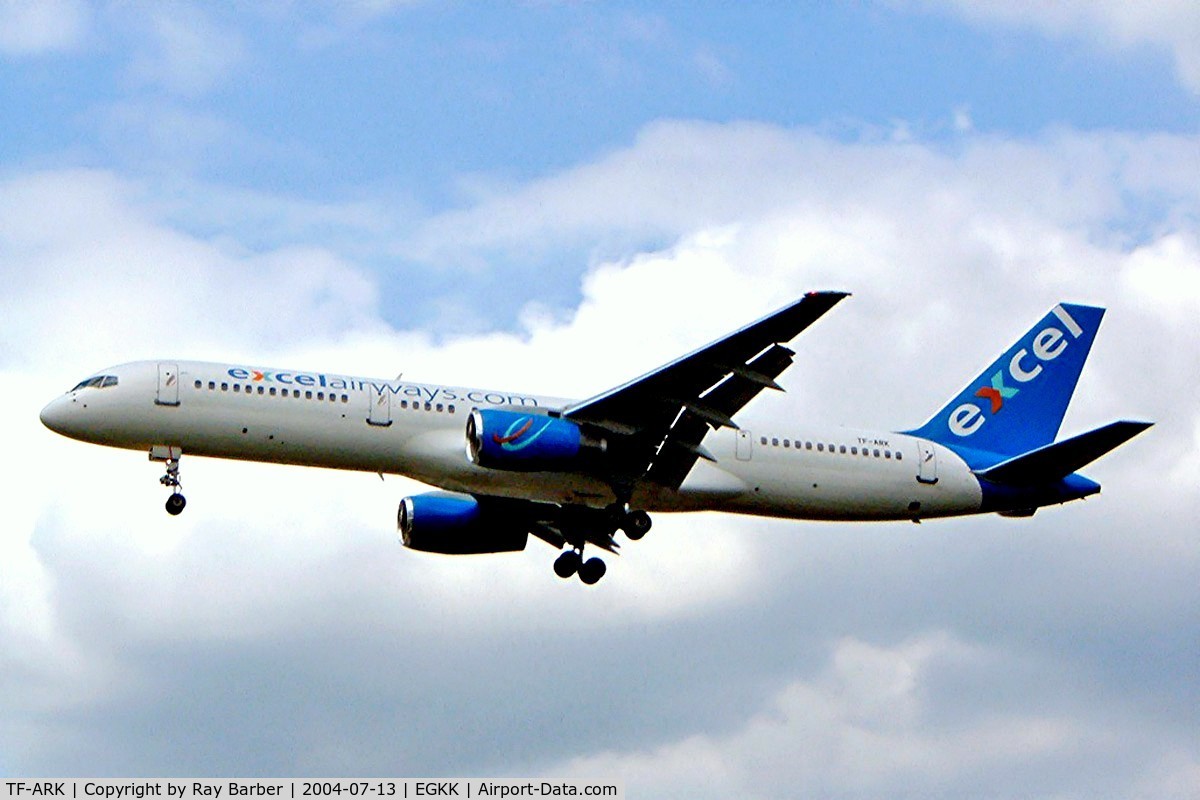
658,421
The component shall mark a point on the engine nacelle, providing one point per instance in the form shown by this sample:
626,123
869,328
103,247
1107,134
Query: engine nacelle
527,441
458,524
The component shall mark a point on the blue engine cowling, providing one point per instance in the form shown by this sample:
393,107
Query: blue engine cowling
458,524
525,441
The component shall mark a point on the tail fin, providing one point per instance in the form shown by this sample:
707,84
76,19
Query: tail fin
1018,403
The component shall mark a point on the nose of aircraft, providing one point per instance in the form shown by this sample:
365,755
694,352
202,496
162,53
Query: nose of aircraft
56,414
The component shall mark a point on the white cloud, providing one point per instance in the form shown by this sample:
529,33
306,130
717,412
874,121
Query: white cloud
181,49
31,27
679,177
82,247
962,121
867,725
1171,25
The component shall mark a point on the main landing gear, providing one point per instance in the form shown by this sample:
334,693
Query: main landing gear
171,456
618,516
571,562
634,522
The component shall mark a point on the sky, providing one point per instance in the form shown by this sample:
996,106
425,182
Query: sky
555,197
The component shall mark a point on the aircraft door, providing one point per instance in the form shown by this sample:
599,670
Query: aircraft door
168,385
745,445
380,411
926,462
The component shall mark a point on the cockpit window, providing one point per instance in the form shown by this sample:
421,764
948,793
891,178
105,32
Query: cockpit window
97,382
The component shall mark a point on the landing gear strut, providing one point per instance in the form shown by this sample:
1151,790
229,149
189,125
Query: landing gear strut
171,455
571,562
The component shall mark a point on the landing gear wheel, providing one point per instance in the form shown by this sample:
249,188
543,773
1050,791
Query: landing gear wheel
592,570
175,504
567,564
636,524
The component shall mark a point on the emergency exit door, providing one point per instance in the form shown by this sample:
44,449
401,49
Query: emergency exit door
926,462
168,385
380,411
745,445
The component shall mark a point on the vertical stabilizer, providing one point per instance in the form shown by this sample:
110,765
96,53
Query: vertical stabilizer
1017,404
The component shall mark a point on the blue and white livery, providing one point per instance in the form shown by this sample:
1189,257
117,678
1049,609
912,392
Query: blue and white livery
573,473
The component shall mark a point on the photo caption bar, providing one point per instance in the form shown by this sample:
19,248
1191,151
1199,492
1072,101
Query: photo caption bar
290,789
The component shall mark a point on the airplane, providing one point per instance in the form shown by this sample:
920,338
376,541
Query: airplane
575,472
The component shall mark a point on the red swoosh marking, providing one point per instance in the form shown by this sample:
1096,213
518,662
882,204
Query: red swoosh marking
498,439
993,395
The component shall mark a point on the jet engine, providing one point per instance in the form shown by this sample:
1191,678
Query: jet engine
528,441
458,524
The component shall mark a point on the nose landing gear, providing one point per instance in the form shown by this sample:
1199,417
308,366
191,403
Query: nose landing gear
171,456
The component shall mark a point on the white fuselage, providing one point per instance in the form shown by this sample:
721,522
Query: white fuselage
418,430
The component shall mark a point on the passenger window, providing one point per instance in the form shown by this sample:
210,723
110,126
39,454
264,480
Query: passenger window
899,457
428,406
237,387
853,451
320,395
345,398
887,453
261,390
272,392
198,384
820,447
450,408
404,404
842,449
212,385
774,442
787,442
808,445
877,454
224,387
439,407
763,440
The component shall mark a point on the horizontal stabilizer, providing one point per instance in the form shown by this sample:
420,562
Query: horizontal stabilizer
1058,460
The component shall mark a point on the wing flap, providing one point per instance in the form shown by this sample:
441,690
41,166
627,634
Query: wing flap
678,453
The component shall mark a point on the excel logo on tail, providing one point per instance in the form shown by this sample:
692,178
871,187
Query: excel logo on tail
1024,366
997,392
